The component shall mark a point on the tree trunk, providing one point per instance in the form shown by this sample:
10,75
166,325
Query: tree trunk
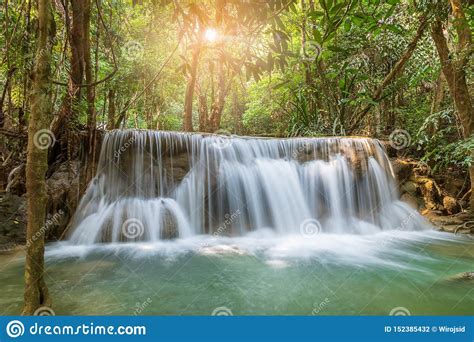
4,95
438,95
27,71
111,111
91,112
36,292
188,100
91,117
218,104
77,38
238,109
454,71
203,112
393,74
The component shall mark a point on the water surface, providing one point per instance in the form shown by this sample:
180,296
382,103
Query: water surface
258,274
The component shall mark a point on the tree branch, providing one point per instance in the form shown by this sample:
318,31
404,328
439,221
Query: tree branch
397,69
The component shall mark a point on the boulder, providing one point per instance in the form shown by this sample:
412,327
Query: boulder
62,188
410,200
170,228
409,187
431,192
465,276
16,183
176,168
403,169
460,223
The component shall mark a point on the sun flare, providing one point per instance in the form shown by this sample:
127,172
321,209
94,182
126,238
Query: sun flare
211,34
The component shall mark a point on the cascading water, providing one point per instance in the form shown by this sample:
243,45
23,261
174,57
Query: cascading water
153,185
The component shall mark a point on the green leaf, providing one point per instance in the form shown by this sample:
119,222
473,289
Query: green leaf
315,14
336,48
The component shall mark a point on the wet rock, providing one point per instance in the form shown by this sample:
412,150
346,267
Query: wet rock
451,205
170,228
431,193
409,187
461,223
391,151
62,188
403,169
410,200
176,168
17,181
465,276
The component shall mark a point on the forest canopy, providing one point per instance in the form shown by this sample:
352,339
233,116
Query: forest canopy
273,68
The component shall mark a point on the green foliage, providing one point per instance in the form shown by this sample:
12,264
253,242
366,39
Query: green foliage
264,114
442,144
169,122
286,68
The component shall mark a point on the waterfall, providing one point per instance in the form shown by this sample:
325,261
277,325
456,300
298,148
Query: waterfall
153,185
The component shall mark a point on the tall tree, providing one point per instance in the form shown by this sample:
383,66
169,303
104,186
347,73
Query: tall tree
454,69
81,70
36,291
191,83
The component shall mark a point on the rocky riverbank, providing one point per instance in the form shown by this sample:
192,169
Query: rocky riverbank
441,198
